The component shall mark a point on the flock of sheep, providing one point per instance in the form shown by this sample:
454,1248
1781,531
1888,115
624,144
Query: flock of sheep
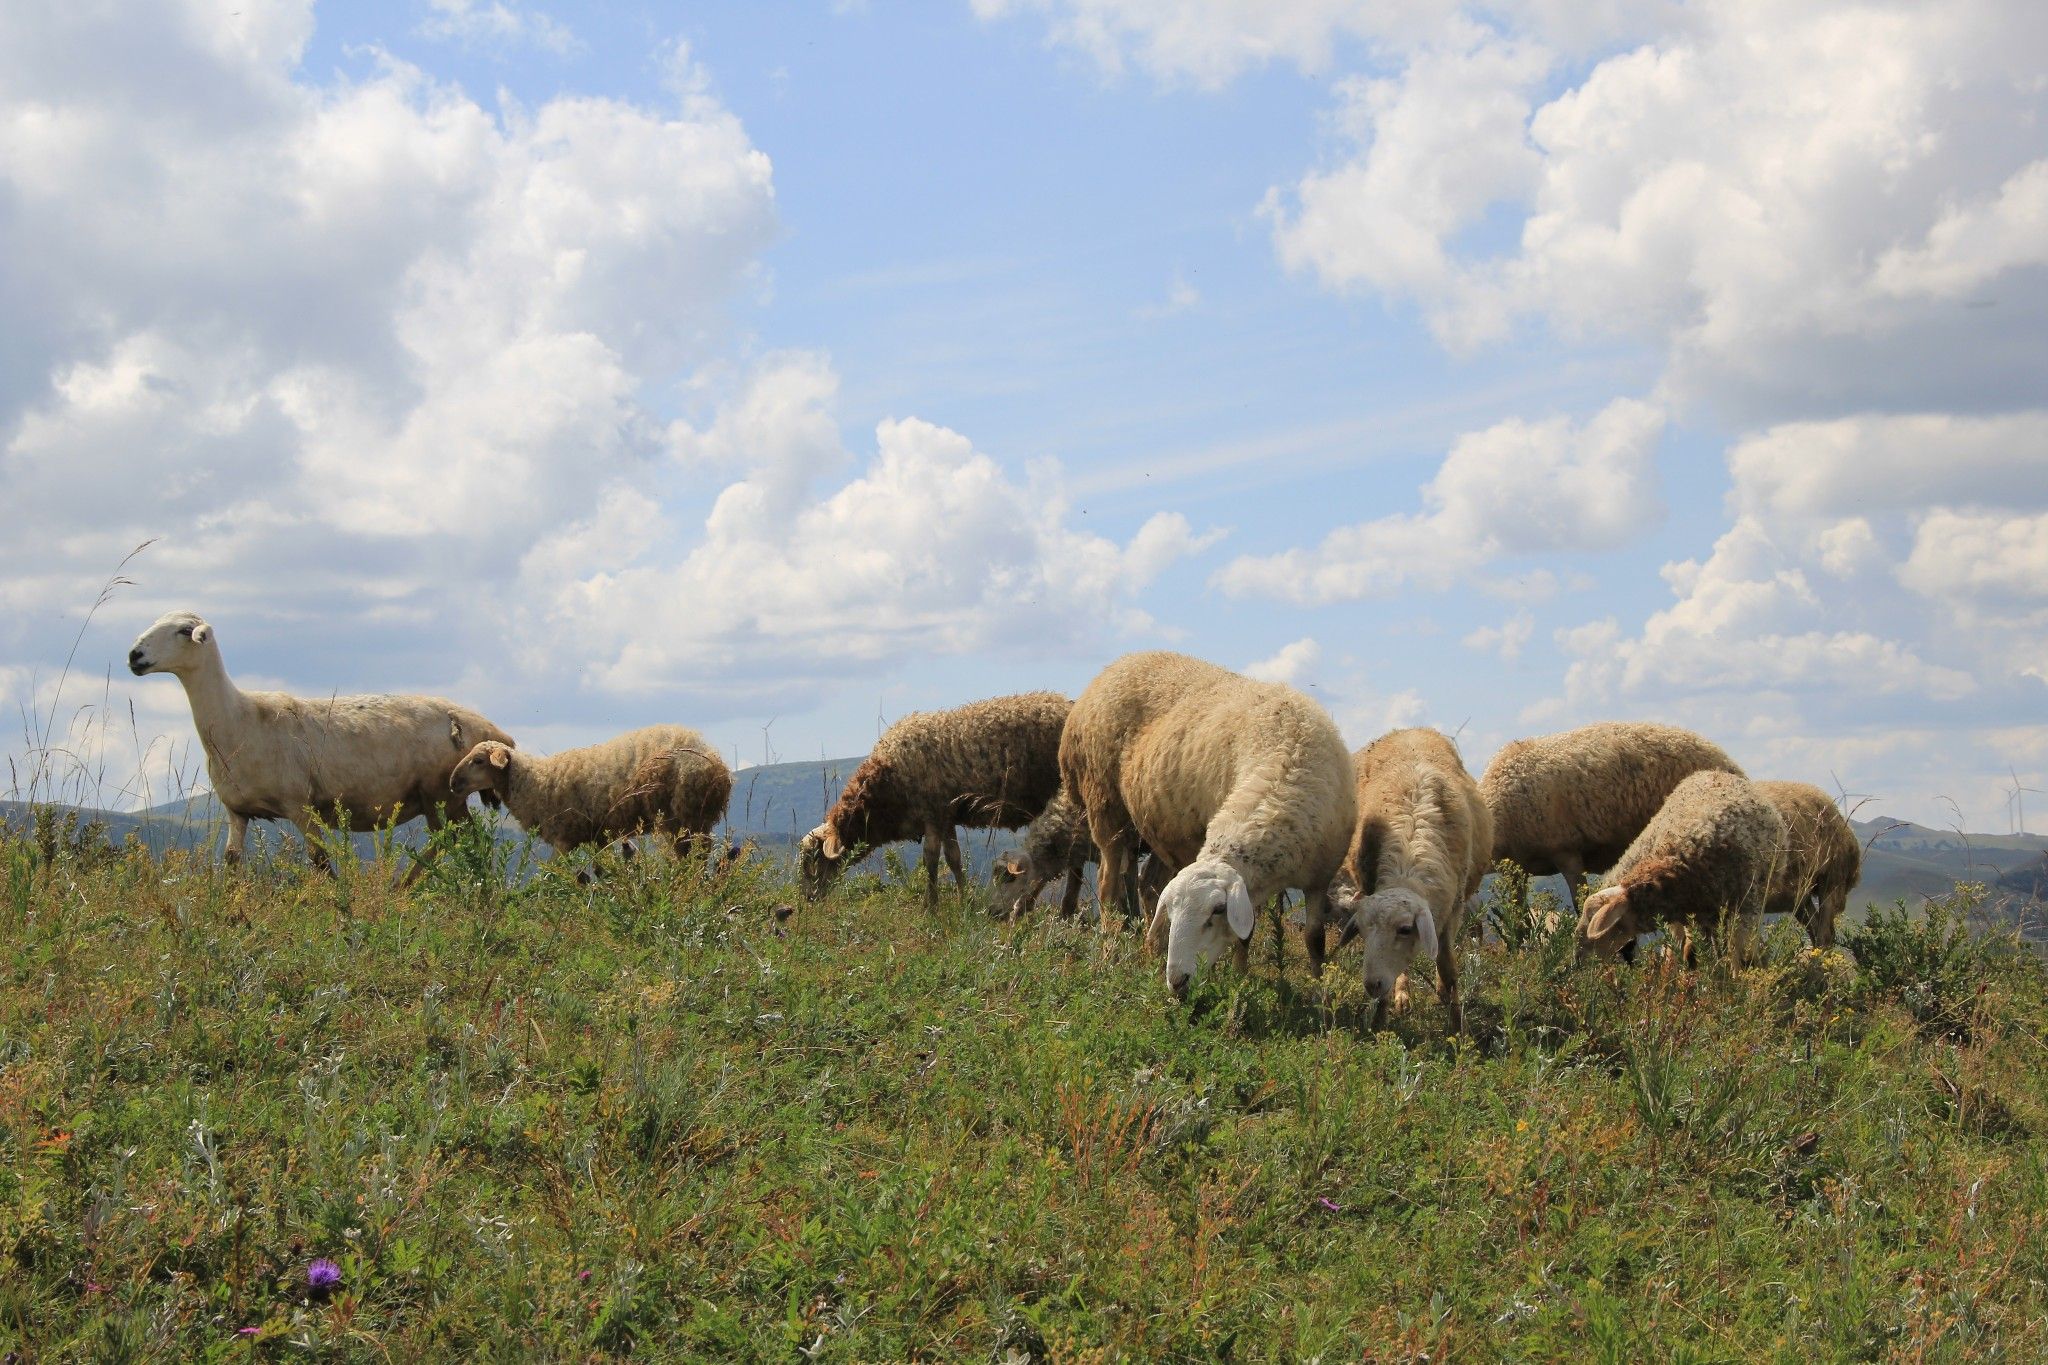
1200,794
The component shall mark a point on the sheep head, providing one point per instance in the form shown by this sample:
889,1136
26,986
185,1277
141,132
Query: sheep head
1013,871
482,769
1397,929
819,858
178,643
1207,908
1607,923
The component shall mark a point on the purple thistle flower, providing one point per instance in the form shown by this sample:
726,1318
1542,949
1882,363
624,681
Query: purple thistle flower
322,1275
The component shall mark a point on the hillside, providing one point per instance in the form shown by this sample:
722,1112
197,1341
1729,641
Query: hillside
270,1116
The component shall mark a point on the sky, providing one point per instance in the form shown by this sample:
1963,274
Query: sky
779,369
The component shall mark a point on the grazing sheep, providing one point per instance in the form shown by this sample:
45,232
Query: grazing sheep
1709,854
1239,788
663,780
336,762
1568,804
988,765
1057,842
1423,846
1823,859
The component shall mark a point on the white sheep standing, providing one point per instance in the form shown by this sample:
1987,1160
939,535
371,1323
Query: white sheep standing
1239,788
1424,844
664,780
333,763
1568,804
1709,855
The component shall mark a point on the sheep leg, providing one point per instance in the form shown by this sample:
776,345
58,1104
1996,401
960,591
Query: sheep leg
952,847
316,851
1447,980
931,869
1070,899
238,837
437,820
1113,858
1314,902
1573,870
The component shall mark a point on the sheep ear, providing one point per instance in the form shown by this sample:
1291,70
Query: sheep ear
830,845
1608,917
1237,909
1351,931
455,732
201,633
499,758
1425,928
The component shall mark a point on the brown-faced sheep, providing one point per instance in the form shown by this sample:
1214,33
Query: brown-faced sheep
323,763
1423,846
1823,859
1570,803
1239,788
1057,842
988,765
663,780
1707,856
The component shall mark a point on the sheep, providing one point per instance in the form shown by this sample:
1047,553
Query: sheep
988,765
337,763
1823,859
1568,804
1709,854
1238,788
1424,844
1057,842
663,780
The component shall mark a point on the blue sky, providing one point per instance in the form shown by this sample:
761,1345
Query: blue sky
1487,367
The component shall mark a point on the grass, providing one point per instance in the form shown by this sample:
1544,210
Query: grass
535,1120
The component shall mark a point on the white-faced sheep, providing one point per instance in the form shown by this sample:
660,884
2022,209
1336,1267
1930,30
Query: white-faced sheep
1707,857
1570,803
1823,859
333,763
663,780
1239,788
1423,846
988,765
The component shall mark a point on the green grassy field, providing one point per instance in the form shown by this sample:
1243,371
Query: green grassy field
649,1117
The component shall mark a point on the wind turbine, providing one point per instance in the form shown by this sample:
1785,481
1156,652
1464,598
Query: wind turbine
1844,797
2019,802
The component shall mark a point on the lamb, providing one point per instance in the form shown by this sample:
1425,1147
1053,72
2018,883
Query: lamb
1238,788
332,763
1823,859
988,765
1423,846
1057,842
663,780
1709,854
1568,804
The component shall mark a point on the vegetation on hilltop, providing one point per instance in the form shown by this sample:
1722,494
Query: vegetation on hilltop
268,1115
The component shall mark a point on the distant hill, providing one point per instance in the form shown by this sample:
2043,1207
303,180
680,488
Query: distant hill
775,803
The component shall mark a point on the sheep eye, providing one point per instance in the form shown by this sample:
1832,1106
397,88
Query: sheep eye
1217,911
1405,929
185,631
